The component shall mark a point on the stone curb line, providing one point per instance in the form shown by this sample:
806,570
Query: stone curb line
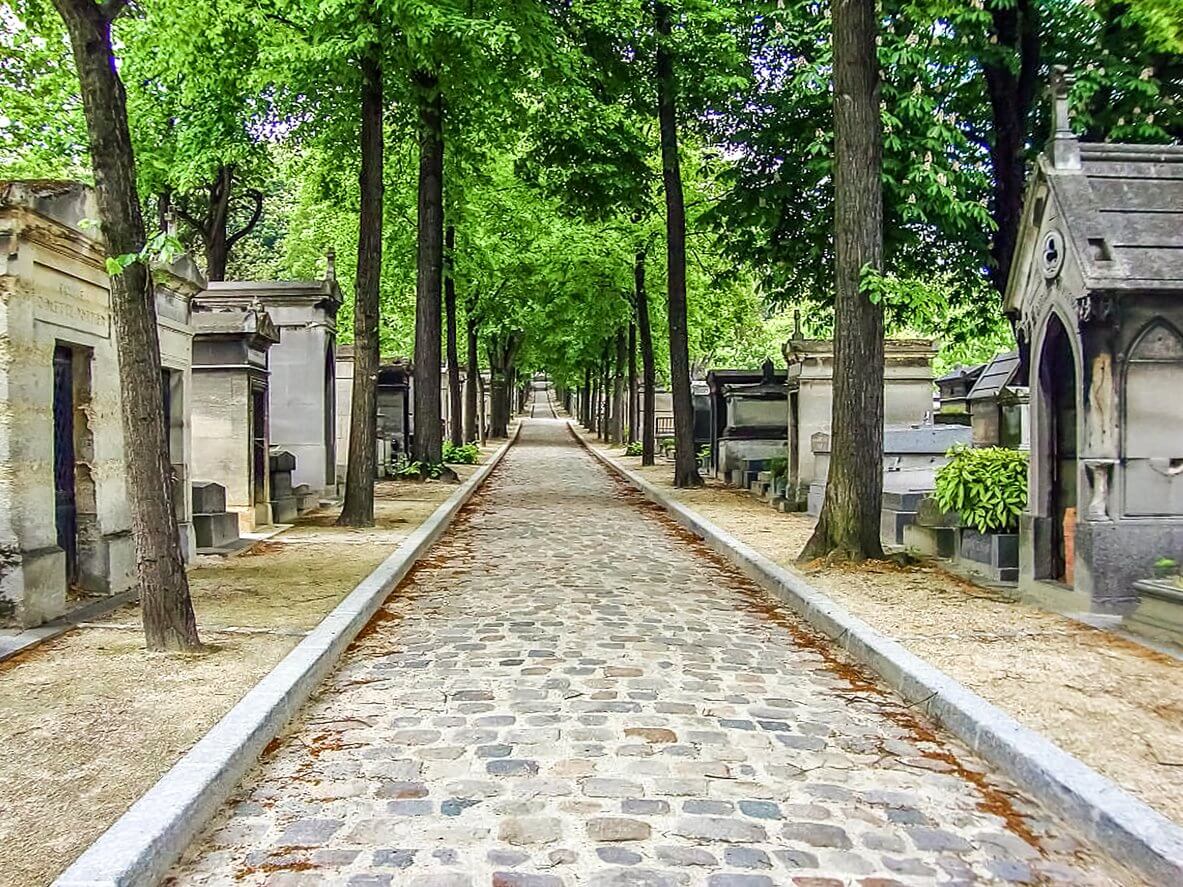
141,846
1127,829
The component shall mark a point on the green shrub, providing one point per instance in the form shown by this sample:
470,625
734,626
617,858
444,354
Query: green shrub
778,466
987,488
468,454
636,448
417,471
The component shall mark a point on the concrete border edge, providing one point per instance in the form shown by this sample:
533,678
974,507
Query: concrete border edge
1128,829
139,847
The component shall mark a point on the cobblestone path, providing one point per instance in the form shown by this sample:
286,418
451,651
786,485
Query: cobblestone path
571,692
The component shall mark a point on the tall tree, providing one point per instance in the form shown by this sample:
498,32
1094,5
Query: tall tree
358,508
169,623
471,390
428,444
849,519
648,364
685,461
455,399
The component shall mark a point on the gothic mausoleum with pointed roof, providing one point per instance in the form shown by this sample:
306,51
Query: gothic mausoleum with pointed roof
1096,289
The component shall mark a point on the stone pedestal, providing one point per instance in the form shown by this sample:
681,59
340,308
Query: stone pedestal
215,528
284,507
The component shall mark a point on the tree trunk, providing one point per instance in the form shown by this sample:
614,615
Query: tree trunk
606,392
849,520
632,381
618,402
428,438
167,610
216,253
1015,25
358,508
585,395
472,389
455,397
648,367
214,226
685,459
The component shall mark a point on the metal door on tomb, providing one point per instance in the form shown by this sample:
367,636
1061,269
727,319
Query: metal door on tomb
65,496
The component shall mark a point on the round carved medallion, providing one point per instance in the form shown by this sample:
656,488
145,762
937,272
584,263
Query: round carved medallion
1052,253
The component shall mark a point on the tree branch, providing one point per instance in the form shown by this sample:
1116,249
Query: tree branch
188,219
112,8
256,195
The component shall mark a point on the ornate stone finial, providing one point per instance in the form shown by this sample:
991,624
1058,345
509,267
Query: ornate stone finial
170,223
1065,148
331,266
796,323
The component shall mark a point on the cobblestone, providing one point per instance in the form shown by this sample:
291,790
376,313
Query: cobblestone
569,692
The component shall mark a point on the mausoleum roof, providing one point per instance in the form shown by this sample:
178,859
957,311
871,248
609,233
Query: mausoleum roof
997,375
1121,210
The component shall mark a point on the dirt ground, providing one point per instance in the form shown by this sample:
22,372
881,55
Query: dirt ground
90,721
1116,705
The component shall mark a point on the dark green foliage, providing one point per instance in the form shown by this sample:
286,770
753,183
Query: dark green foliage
987,488
468,454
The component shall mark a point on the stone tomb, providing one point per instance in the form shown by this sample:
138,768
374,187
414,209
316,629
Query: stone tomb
1097,287
64,519
231,436
303,369
998,405
748,419
907,400
215,528
394,410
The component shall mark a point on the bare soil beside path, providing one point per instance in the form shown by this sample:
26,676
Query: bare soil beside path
1116,705
88,722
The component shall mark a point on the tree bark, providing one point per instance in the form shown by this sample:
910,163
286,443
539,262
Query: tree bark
472,389
849,520
618,402
169,623
585,396
428,447
358,508
632,381
648,366
455,397
1015,25
685,459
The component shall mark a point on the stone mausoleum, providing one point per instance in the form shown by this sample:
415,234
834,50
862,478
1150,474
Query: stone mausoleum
303,387
1097,288
907,400
65,528
231,422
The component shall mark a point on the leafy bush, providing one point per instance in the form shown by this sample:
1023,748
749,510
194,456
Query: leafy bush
987,488
418,471
636,448
468,454
778,467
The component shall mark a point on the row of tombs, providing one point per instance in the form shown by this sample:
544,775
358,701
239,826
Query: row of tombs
256,395
1093,393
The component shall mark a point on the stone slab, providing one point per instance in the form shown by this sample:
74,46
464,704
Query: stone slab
139,848
1115,820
